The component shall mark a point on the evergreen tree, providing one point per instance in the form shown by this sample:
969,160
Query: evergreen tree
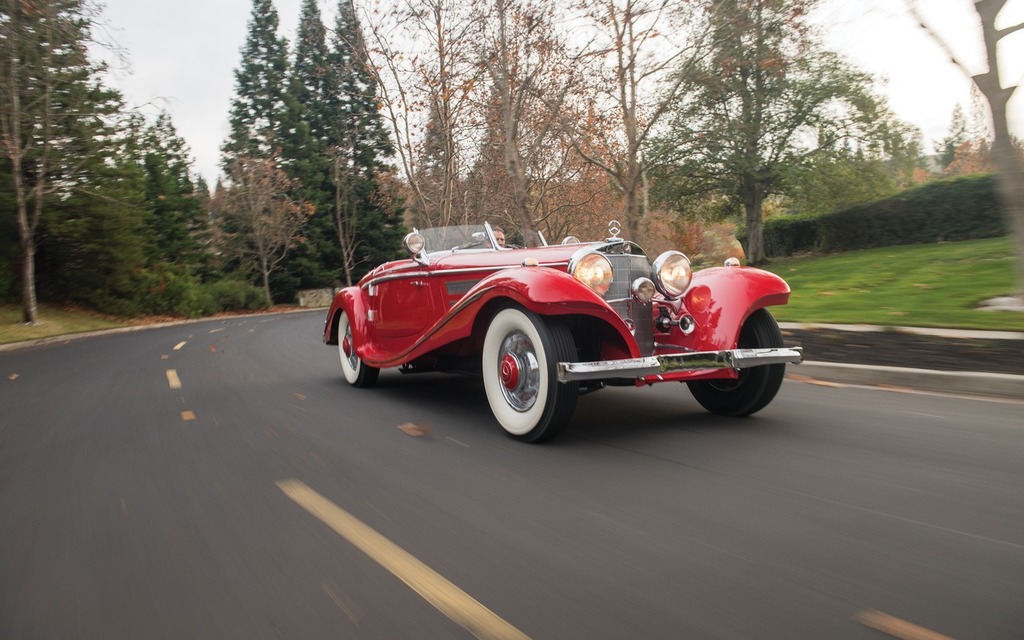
956,136
58,145
259,109
366,218
176,223
309,265
93,245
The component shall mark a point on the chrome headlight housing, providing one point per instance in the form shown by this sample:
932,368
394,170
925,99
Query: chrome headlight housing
643,289
414,243
592,269
672,273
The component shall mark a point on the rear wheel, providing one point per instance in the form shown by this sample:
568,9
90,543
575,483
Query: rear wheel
357,372
521,351
756,386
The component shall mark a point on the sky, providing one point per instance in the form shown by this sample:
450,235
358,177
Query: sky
180,57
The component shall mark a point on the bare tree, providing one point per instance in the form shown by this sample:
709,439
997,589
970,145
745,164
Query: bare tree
260,222
531,73
1008,163
423,65
637,79
345,216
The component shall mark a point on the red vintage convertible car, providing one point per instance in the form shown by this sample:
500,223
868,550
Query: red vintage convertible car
544,324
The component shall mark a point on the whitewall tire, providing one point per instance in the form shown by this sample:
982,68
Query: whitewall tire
357,372
520,353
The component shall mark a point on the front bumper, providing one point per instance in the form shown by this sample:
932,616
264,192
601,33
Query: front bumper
669,363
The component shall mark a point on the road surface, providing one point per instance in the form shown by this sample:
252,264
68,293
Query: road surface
221,480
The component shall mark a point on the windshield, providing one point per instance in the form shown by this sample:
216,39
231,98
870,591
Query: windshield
467,236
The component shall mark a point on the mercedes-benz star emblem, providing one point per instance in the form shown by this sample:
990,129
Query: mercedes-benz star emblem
614,228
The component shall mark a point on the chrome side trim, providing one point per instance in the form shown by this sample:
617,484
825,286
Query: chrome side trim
669,363
395,276
446,272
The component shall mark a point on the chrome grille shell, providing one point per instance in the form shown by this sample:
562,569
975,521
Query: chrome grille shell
627,267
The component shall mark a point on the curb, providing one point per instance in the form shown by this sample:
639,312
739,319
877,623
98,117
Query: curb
920,331
960,382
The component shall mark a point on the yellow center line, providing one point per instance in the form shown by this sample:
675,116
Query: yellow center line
172,379
180,345
896,627
453,602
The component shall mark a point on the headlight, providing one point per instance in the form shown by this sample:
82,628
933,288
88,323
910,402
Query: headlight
672,273
592,269
414,243
643,289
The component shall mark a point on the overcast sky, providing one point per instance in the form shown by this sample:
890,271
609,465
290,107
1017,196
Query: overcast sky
181,57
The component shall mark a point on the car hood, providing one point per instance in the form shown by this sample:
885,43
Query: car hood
551,256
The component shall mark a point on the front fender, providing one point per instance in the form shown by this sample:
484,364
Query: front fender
720,300
541,290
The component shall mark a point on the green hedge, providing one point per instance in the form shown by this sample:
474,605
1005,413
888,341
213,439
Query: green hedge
963,208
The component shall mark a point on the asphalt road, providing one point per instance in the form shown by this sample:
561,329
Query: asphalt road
220,480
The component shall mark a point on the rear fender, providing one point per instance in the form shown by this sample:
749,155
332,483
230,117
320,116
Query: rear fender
352,301
722,298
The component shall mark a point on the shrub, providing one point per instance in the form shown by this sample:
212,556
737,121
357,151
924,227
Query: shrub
963,208
173,292
236,295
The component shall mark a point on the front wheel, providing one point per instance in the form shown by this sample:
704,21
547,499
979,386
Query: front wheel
357,372
521,351
756,386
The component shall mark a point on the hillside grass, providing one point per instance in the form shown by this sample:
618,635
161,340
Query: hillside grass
934,285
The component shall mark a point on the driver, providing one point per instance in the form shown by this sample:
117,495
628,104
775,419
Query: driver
499,235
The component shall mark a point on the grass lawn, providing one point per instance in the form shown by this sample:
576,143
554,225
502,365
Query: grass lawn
52,322
935,285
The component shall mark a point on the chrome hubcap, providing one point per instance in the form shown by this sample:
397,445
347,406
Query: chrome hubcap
519,371
347,350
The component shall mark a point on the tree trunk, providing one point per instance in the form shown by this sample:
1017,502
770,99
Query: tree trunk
1010,188
753,201
265,268
29,307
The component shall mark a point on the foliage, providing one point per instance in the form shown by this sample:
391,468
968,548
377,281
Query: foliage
258,111
365,213
176,223
764,101
262,222
236,295
165,290
939,211
53,113
705,243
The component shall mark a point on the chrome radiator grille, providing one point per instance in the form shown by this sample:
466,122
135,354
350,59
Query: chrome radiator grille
625,269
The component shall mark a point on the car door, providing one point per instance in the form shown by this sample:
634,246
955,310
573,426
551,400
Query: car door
401,305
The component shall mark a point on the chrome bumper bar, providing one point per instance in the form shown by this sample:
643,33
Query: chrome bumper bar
669,363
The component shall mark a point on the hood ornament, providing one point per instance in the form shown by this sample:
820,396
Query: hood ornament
614,229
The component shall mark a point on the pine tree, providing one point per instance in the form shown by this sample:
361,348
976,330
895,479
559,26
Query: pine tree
176,224
259,109
366,218
54,117
309,265
93,245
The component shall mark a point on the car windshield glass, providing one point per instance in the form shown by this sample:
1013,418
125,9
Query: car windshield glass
469,236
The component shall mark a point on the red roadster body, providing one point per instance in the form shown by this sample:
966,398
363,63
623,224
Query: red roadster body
541,325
